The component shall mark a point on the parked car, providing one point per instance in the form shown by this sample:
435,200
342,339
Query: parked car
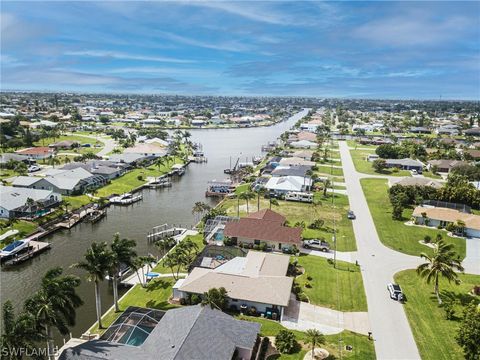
414,172
316,245
33,168
351,215
395,292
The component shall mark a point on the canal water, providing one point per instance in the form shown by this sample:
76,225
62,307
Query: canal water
172,206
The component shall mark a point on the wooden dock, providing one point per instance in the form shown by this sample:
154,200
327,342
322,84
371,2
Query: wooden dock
35,248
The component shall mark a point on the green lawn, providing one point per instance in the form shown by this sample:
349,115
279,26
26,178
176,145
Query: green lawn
354,143
298,212
395,234
155,295
80,139
325,169
362,347
24,228
6,173
338,288
77,201
364,166
130,181
198,239
434,334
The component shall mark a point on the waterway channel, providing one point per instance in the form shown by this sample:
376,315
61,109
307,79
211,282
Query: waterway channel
172,205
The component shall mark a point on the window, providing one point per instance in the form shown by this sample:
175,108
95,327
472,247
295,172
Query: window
257,242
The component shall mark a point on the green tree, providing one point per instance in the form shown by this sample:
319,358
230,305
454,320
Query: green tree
215,298
315,338
123,254
18,332
379,165
443,262
247,195
285,342
468,336
55,304
260,192
97,263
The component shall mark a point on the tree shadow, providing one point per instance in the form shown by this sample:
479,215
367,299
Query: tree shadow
157,284
451,296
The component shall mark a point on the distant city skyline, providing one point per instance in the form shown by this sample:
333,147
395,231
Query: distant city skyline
385,50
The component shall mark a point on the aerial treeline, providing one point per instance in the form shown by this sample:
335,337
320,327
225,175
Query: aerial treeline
457,190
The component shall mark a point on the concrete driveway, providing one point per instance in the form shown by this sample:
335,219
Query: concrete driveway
391,331
472,260
303,316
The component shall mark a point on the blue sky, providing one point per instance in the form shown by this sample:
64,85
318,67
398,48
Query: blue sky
401,50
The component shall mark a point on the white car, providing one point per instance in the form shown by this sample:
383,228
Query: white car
395,292
33,168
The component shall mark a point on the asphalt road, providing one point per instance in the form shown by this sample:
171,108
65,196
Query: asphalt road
391,331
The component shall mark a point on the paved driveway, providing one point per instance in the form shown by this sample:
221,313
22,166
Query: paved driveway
303,316
472,260
391,331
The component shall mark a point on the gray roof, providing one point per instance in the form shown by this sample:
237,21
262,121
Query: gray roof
404,162
12,198
127,157
187,333
25,180
4,158
300,170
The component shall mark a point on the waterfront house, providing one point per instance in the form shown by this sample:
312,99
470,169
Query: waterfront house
37,153
404,164
303,154
303,144
279,186
144,149
24,202
192,332
265,226
257,283
65,182
440,216
300,170
107,169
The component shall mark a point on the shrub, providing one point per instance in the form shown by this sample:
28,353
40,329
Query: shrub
330,261
183,301
308,285
263,246
302,297
427,238
285,342
449,310
309,278
140,177
256,247
450,227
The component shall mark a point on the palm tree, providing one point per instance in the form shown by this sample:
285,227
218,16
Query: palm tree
260,192
273,202
199,208
443,262
326,184
18,333
160,162
314,337
55,304
139,263
247,195
98,261
53,160
65,205
123,254
215,298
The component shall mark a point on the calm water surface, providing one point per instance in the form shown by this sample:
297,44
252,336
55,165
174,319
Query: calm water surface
172,206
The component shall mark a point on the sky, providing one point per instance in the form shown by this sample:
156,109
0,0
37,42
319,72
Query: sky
388,49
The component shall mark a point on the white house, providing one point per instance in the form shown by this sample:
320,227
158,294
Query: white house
14,202
282,185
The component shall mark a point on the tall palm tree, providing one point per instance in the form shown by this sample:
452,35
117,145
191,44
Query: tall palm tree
260,192
160,162
247,195
55,304
443,262
314,337
123,254
139,264
199,208
18,332
98,261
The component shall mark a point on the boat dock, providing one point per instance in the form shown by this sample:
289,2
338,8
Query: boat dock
164,231
35,248
74,219
125,199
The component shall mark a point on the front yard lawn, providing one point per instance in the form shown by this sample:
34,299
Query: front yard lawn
308,213
434,335
24,228
395,234
328,170
338,288
365,167
362,348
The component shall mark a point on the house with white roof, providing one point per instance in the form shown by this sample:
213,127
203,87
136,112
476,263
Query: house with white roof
24,202
284,184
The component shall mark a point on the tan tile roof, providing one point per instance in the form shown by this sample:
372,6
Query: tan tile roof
263,279
449,215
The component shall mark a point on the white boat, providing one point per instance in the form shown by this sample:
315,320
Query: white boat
14,247
165,182
126,199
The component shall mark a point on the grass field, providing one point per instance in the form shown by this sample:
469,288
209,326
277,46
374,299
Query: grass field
130,181
365,167
6,173
434,335
298,212
362,347
24,228
80,139
326,169
338,288
354,143
395,234
155,295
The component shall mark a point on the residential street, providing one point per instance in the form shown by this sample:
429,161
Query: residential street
391,331
108,143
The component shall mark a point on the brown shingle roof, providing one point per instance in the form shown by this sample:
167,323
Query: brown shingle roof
267,214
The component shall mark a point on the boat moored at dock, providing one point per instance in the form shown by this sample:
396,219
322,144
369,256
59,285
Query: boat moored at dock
220,188
126,199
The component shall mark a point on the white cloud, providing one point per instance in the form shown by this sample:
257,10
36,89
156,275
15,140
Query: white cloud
126,56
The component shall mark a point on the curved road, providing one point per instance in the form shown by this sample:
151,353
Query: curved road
108,143
391,330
